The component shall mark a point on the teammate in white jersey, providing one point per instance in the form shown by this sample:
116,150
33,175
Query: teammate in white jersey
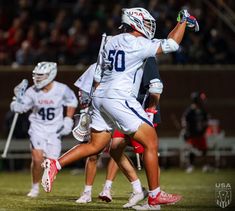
114,101
47,99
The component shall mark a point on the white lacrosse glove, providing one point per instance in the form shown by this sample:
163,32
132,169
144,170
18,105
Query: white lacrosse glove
155,86
17,107
81,131
67,126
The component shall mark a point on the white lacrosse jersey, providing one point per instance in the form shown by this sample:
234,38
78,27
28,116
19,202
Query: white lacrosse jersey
47,107
85,81
125,55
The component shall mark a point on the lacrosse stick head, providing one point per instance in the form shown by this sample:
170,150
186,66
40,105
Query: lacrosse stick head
44,73
81,131
20,89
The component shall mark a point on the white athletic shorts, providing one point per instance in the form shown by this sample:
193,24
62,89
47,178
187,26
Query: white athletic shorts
126,115
49,143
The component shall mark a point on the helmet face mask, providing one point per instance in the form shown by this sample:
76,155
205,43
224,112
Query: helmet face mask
44,73
140,20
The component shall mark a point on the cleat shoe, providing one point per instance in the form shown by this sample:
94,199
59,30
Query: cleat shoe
135,198
189,169
105,195
146,207
84,198
49,174
164,198
33,193
161,198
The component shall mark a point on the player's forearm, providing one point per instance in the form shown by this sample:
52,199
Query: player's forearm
177,33
70,111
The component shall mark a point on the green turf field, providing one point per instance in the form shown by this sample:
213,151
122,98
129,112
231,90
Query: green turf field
198,190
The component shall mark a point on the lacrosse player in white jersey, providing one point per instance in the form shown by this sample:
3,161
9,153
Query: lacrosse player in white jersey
149,93
47,99
114,100
85,83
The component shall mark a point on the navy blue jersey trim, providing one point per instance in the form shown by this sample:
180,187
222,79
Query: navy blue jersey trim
135,76
136,113
32,146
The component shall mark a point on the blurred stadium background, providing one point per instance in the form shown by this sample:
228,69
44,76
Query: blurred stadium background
69,32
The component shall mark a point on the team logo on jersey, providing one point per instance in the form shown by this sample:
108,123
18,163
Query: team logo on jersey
223,194
46,101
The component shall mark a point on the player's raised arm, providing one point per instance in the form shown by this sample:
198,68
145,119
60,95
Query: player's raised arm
175,37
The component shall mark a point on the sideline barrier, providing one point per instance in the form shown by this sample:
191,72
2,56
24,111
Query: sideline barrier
219,147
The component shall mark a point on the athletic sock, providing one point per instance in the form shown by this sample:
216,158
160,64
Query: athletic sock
35,186
153,193
88,188
136,186
108,184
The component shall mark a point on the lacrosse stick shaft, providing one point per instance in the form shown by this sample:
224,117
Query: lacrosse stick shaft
4,154
103,41
138,161
97,76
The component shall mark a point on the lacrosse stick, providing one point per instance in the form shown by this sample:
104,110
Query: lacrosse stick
81,131
98,70
19,91
138,161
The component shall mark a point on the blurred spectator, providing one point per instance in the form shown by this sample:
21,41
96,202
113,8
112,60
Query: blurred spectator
4,54
25,55
194,123
32,37
77,44
43,30
44,52
67,25
217,48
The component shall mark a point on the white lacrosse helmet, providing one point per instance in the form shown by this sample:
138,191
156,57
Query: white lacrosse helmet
140,20
44,73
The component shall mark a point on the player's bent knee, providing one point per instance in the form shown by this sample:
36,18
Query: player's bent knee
151,145
93,158
118,144
95,149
